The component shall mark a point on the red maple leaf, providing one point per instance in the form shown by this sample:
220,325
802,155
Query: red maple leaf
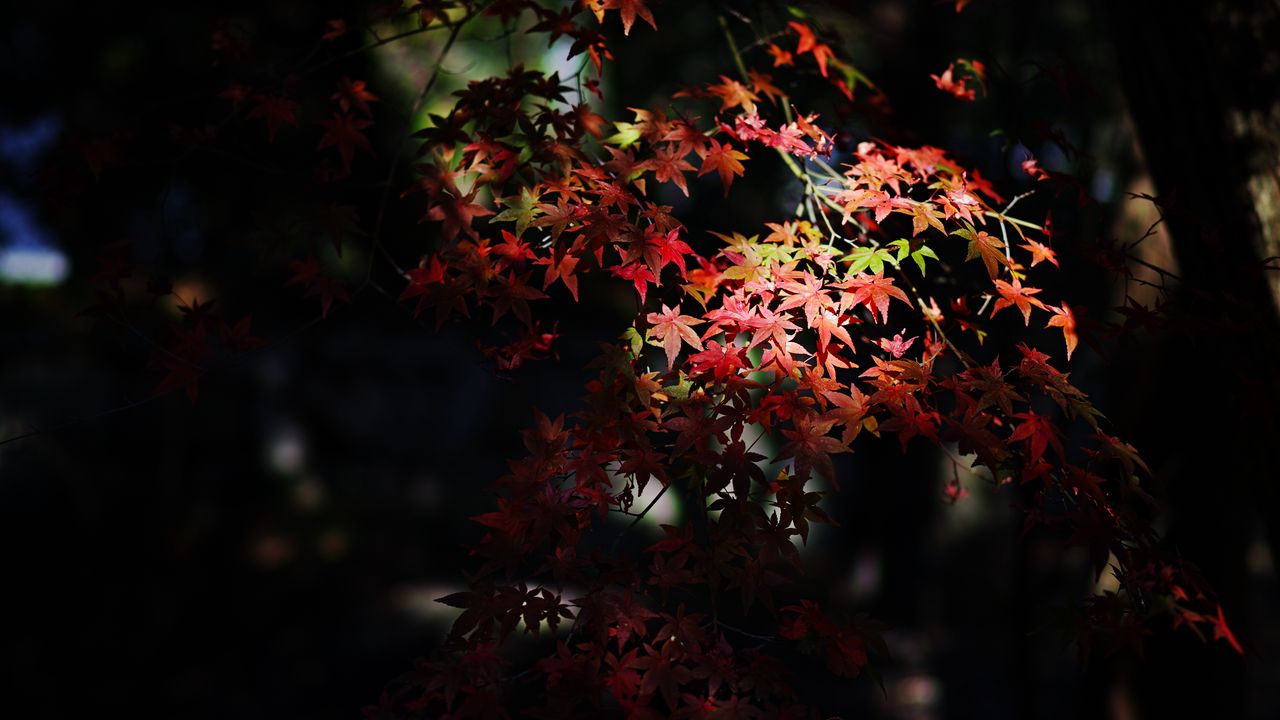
1063,318
669,249
1039,433
1222,632
455,213
277,111
808,42
874,291
334,29
959,89
629,10
734,94
812,447
667,166
1040,252
1015,295
724,160
354,94
897,347
310,275
345,133
639,274
672,328
562,266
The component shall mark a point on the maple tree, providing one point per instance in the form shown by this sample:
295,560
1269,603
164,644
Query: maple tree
869,314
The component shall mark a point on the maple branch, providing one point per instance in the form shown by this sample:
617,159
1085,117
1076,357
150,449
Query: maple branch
639,516
733,48
764,40
1150,231
404,141
379,42
1163,273
924,311
800,173
80,420
762,638
201,373
1012,220
1004,235
123,322
831,172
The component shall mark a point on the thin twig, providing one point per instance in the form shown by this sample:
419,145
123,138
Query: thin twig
404,142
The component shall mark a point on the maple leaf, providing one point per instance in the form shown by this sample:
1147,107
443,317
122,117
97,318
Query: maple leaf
925,215
277,111
309,274
661,672
345,132
456,212
629,10
688,138
1040,252
869,258
639,274
847,654
780,57
1031,167
897,347
724,160
874,291
514,294
334,29
763,84
957,89
1015,295
721,361
521,210
734,94
1123,452
914,249
812,447
668,249
237,337
988,248
561,266
1063,318
667,166
354,94
993,388
811,294
1222,632
808,42
1038,433
773,326
828,324
672,328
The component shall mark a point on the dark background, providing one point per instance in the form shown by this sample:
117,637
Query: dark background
273,549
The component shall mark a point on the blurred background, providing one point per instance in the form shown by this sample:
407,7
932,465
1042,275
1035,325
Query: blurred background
274,548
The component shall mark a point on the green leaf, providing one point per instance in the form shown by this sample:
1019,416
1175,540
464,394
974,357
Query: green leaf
634,340
872,258
628,134
918,253
679,391
520,210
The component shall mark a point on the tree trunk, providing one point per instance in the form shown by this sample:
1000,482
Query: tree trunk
1203,86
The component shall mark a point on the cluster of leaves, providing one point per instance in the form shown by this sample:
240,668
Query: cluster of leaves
785,335
844,322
